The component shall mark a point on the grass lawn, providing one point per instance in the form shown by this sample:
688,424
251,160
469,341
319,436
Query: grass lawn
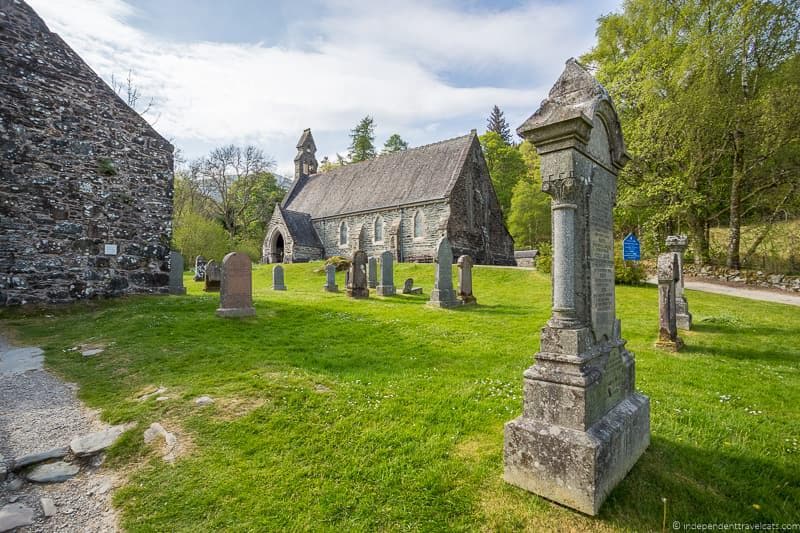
384,414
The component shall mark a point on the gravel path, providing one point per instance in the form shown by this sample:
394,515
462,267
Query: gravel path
742,292
39,412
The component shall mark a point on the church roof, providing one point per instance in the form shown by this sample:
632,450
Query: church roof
300,228
416,175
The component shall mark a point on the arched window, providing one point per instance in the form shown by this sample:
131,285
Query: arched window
343,233
419,225
378,229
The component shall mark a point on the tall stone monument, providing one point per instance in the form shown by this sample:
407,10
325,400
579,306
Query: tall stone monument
212,276
667,271
330,279
386,287
278,283
356,281
677,244
176,273
443,294
236,287
583,425
465,280
372,272
199,268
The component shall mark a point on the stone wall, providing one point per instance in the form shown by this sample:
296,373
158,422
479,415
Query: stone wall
752,278
86,188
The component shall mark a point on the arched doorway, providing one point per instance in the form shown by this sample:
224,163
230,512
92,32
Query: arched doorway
279,249
275,247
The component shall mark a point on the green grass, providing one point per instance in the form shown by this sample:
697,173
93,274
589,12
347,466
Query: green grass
778,252
409,436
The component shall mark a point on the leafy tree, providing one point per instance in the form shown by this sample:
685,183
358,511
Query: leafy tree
395,143
197,235
529,216
506,167
257,197
362,141
497,123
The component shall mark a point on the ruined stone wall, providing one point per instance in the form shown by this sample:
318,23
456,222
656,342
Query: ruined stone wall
81,174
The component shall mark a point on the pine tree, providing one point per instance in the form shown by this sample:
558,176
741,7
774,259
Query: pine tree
497,123
362,141
395,143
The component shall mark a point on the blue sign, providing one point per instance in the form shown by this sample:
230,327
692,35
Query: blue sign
630,248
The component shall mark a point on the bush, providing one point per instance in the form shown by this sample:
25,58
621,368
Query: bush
627,272
341,263
249,246
196,235
544,260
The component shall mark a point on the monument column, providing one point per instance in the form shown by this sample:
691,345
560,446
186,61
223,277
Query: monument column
563,235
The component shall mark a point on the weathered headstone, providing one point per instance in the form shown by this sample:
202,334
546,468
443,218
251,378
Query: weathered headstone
408,287
667,270
465,280
199,268
236,294
372,272
443,294
677,244
583,426
176,273
330,279
357,276
278,283
213,276
386,288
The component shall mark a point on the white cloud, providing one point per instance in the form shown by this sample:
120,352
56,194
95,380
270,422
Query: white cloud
363,58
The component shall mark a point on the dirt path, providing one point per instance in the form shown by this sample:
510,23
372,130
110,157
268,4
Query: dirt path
38,413
742,292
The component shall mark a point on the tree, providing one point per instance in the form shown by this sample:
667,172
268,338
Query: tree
257,197
395,143
362,139
129,92
497,123
529,215
506,167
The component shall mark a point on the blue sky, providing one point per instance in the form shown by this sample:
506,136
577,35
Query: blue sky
259,72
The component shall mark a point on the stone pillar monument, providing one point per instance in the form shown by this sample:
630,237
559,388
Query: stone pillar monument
330,279
583,425
465,280
278,283
387,288
372,272
176,273
443,294
667,270
356,279
677,244
236,289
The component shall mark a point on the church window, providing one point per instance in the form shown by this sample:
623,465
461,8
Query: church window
419,225
378,229
343,233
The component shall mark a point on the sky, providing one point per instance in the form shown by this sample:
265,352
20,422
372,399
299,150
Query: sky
260,71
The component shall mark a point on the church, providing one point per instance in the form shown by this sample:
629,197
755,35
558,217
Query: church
402,202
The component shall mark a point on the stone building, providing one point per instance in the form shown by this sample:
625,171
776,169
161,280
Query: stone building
85,182
402,202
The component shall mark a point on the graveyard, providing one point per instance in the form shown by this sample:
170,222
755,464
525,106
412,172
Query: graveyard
334,413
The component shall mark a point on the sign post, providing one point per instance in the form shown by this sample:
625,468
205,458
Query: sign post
631,251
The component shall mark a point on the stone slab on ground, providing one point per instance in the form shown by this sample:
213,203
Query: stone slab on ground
96,442
39,457
15,515
48,507
21,360
52,472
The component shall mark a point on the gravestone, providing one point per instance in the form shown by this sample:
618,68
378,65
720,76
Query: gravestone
176,273
443,294
357,276
386,288
372,272
408,287
330,279
677,244
465,281
668,276
213,276
236,287
583,426
277,278
199,268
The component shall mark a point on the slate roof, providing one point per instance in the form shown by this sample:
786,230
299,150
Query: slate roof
416,175
300,228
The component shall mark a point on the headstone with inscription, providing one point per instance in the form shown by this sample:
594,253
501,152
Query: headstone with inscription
409,288
386,287
176,273
583,425
372,272
443,294
465,280
199,268
357,276
212,276
668,276
236,288
278,283
677,244
330,279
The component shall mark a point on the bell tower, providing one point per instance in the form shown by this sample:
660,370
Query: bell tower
305,162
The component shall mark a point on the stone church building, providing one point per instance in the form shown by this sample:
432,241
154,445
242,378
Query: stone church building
85,182
401,202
